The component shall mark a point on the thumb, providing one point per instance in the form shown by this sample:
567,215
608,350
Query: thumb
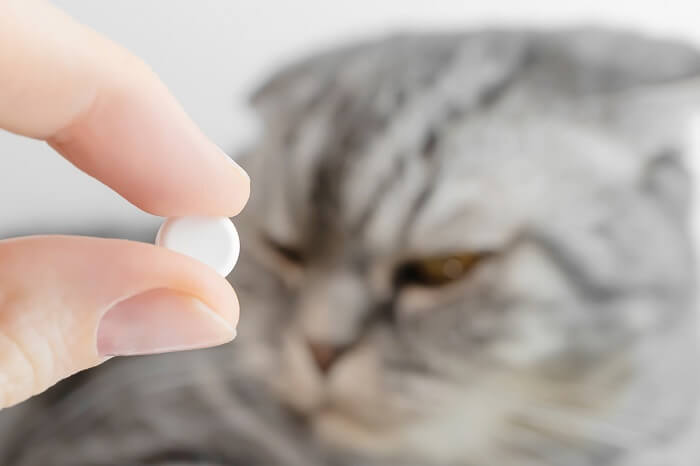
69,303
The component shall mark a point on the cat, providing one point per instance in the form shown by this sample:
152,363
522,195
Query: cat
465,249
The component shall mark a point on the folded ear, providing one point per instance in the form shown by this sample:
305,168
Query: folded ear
641,89
600,61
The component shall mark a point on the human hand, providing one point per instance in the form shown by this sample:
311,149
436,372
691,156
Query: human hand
69,303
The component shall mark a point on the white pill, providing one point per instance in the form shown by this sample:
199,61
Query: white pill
212,240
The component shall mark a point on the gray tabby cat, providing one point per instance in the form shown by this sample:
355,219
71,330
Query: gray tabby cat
464,249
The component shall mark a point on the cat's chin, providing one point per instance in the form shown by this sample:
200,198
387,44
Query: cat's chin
347,426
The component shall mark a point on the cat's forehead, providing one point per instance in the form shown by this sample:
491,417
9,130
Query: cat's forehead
490,180
486,178
397,140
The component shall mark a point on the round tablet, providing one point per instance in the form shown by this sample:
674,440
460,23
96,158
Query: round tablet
212,240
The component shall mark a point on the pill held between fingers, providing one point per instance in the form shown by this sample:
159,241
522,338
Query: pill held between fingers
211,240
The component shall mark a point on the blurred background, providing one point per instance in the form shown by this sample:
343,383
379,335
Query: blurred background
211,53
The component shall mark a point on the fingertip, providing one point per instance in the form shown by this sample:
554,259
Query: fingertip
241,196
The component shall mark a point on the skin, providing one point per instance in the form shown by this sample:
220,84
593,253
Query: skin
107,113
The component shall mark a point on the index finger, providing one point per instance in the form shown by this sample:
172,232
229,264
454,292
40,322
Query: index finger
107,113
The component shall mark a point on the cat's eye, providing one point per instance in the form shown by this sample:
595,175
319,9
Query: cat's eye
286,252
437,271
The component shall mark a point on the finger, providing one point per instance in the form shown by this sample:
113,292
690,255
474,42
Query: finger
107,113
68,303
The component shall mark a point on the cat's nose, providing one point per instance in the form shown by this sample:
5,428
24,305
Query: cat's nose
325,354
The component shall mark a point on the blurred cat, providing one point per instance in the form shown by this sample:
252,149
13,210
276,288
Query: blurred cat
466,249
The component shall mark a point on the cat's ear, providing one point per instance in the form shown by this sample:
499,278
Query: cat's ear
291,89
654,114
598,61
643,91
640,88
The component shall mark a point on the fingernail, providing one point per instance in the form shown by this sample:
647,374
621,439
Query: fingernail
159,321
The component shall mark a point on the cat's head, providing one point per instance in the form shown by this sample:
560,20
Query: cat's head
474,247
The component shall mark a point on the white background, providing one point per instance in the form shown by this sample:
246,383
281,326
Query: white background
210,53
